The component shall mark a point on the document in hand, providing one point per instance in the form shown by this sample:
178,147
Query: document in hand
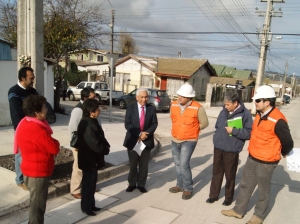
293,160
236,122
139,147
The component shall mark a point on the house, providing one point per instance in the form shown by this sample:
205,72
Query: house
173,72
134,71
93,61
91,55
7,53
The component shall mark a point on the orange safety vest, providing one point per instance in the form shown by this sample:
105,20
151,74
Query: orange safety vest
185,126
264,143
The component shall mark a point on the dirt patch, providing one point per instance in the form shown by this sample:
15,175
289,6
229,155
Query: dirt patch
63,165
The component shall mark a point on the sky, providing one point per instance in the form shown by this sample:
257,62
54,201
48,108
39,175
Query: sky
186,20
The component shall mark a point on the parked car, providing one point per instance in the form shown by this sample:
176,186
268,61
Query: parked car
157,98
101,90
286,98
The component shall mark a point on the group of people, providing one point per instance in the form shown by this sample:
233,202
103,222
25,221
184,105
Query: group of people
269,137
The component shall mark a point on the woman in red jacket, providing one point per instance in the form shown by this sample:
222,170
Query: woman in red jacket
38,148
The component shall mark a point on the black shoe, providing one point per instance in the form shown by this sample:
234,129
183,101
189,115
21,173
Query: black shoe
130,188
96,209
142,189
91,213
211,200
227,203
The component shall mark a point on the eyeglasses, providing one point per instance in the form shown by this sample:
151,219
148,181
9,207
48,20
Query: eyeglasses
258,100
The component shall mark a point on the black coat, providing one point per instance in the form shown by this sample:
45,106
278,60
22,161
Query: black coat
132,125
92,144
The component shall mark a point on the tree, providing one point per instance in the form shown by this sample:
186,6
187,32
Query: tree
9,21
126,44
69,26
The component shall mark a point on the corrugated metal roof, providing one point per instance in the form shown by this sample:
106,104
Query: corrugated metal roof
219,68
228,70
241,74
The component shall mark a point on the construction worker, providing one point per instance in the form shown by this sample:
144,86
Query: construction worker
270,137
188,118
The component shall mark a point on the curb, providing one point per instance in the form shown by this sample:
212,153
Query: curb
63,188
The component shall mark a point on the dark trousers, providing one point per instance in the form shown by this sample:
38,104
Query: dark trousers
89,180
224,163
64,94
38,188
138,176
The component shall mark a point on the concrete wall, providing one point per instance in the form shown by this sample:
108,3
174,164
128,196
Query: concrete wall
9,77
49,83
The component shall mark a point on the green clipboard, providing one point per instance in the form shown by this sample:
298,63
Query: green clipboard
236,122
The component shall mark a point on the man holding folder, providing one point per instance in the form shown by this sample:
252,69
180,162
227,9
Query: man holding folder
233,128
140,123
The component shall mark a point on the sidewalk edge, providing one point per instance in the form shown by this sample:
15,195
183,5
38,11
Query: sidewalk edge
63,188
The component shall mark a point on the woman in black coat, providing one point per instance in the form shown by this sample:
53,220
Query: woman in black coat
92,148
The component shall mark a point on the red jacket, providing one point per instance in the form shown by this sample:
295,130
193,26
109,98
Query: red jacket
37,149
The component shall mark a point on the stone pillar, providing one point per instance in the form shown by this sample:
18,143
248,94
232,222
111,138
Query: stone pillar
208,95
31,38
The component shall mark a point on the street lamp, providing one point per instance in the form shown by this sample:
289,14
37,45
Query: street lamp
111,58
285,73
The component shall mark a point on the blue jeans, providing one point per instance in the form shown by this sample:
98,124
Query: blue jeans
182,153
19,174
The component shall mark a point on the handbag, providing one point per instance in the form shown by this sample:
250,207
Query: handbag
74,140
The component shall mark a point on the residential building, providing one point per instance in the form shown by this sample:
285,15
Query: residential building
173,72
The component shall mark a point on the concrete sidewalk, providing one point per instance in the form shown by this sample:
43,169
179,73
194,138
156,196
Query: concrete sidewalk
14,198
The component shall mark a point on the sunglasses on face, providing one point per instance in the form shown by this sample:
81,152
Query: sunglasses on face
258,100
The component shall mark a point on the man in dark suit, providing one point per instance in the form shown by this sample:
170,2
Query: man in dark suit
140,123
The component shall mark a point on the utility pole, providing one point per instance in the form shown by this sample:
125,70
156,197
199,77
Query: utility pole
112,31
111,62
284,79
266,37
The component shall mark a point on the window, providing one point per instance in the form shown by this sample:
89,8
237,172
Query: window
97,86
89,84
125,76
103,86
118,78
100,58
133,92
146,80
80,86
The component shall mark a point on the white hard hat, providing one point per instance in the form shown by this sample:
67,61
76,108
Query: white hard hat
186,90
264,92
